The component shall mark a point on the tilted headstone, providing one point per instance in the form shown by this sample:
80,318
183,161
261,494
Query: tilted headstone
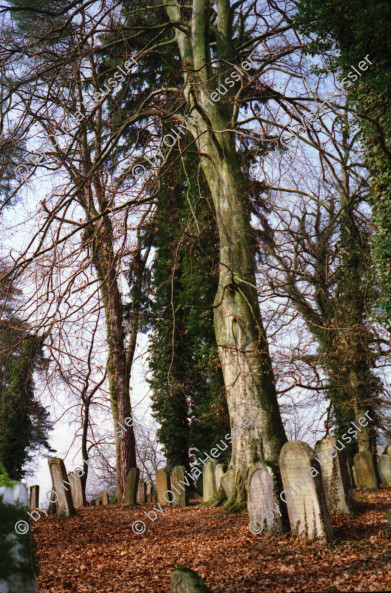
149,491
267,513
365,475
208,476
131,486
303,492
162,485
141,492
105,498
64,504
76,489
16,572
227,482
335,477
184,580
34,497
219,472
384,467
177,476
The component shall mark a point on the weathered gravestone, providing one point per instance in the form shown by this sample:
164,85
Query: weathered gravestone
184,580
335,476
178,482
16,566
76,489
141,492
208,480
149,491
387,450
365,476
265,510
227,482
98,502
162,485
131,486
384,467
105,498
64,504
303,492
219,472
34,497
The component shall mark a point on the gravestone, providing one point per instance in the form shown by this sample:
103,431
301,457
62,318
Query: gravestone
335,476
34,497
141,492
208,480
178,475
76,489
303,492
149,490
184,580
16,572
64,504
265,510
105,498
387,450
365,476
131,486
384,467
227,482
219,472
98,502
162,485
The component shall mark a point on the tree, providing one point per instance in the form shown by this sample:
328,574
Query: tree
354,30
187,383
24,422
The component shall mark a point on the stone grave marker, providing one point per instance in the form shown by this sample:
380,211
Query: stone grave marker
98,502
219,472
184,580
34,497
131,486
384,467
76,489
64,504
365,475
141,492
105,498
177,476
303,492
387,450
17,575
227,482
335,476
163,484
263,503
149,490
208,479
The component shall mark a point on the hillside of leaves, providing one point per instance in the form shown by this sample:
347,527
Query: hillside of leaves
97,552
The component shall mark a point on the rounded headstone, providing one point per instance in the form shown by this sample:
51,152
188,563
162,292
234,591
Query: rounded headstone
303,492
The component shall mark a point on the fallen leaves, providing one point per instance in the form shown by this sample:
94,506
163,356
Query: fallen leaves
97,552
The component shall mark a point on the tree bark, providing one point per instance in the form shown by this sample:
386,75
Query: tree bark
240,335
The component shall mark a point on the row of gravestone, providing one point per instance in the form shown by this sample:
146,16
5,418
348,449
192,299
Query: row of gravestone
311,491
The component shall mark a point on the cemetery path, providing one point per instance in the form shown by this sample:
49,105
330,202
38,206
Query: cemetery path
97,552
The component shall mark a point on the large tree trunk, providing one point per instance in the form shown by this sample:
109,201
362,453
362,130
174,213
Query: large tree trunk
241,338
118,367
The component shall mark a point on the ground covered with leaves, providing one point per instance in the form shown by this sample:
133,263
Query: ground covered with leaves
97,551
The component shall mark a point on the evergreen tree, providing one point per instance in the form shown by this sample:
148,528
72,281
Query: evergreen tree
187,383
24,422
